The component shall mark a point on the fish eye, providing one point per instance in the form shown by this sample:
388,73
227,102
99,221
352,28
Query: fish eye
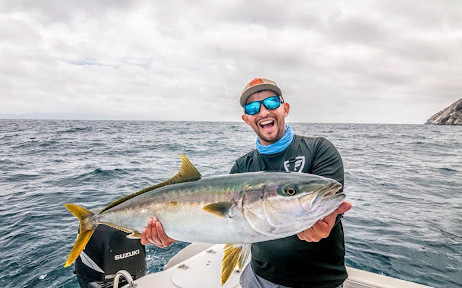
290,190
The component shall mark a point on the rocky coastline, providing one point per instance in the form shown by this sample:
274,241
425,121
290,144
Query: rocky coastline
451,115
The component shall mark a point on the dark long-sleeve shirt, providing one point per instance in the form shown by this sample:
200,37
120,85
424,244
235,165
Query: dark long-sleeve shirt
291,261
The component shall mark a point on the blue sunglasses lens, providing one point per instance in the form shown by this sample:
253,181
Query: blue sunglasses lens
270,103
252,108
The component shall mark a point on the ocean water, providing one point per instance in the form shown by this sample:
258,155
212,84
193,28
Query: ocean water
405,182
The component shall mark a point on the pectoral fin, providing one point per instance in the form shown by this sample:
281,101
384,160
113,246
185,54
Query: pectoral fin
134,235
220,208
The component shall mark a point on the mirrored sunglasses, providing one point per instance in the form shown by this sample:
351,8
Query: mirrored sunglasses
270,103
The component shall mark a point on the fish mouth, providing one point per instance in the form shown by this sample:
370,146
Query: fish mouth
312,201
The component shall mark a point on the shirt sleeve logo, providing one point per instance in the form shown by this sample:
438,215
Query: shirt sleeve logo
295,164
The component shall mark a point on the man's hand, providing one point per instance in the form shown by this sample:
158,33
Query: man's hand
322,228
155,234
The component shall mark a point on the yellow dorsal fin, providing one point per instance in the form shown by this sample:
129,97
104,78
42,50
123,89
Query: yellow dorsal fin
186,173
230,260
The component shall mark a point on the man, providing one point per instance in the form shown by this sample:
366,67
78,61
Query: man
314,257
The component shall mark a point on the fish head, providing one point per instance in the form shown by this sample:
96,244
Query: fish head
292,202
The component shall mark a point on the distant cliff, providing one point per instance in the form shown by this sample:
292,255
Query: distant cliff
452,115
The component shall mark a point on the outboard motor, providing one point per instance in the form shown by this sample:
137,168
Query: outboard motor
109,251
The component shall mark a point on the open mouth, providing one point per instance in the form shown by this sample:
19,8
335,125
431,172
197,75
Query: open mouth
266,124
329,190
310,203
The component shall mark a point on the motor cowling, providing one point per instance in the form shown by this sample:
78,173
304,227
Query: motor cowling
109,251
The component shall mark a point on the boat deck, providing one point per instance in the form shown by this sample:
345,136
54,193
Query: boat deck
199,265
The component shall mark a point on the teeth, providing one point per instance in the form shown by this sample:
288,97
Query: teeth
266,122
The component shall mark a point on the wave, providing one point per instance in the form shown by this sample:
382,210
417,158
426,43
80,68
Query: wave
75,130
100,173
445,169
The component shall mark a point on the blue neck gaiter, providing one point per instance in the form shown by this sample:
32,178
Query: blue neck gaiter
278,146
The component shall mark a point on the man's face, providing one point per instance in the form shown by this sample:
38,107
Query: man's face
269,125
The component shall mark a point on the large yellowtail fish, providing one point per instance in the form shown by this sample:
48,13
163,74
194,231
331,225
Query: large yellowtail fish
237,210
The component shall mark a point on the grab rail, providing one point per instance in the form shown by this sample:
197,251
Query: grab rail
127,276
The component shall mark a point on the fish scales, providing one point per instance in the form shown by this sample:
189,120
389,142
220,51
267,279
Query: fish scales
179,209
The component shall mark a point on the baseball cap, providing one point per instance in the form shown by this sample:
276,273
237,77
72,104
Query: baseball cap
256,85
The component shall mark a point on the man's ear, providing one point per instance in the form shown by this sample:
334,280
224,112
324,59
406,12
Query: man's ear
286,109
245,117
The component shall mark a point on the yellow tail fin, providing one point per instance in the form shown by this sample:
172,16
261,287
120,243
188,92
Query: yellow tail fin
86,230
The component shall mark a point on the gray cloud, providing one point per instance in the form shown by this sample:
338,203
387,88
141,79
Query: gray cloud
361,61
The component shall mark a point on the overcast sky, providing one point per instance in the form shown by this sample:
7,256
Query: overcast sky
335,61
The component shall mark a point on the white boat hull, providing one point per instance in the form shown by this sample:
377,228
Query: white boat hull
199,265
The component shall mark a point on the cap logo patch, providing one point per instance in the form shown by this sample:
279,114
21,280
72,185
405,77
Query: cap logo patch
255,81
